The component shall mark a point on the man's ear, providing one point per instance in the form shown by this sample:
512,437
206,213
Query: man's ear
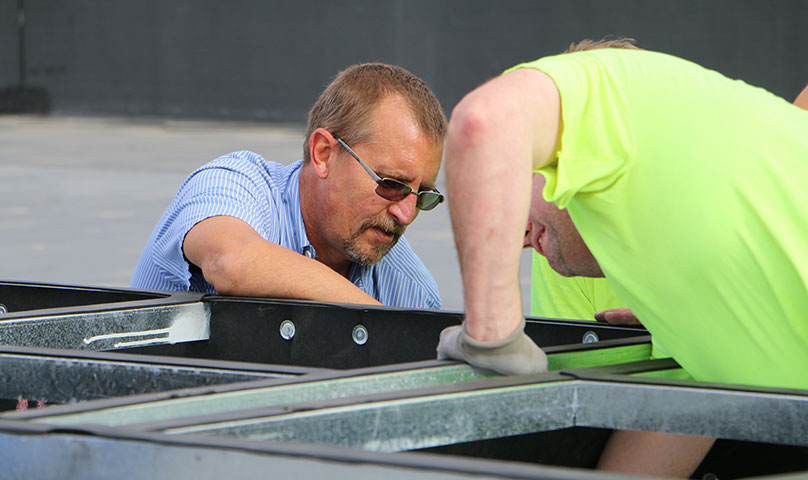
323,150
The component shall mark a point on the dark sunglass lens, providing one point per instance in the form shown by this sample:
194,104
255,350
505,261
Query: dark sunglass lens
392,189
428,200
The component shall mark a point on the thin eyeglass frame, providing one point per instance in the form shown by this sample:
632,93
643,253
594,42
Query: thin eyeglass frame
379,180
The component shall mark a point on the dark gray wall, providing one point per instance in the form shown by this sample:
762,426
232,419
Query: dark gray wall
8,43
268,60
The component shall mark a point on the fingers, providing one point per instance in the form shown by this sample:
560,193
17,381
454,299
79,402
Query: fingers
618,316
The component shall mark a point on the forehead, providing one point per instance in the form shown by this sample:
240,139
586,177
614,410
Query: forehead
396,145
393,120
404,160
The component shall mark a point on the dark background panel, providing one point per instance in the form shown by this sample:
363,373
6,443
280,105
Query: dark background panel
269,60
8,43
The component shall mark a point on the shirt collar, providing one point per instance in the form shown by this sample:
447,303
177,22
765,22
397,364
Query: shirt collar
294,212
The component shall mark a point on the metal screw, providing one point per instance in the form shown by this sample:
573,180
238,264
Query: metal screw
3,309
360,334
287,329
590,337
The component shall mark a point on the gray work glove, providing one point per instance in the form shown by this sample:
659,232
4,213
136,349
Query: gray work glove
515,354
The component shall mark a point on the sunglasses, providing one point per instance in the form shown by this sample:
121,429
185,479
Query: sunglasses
393,189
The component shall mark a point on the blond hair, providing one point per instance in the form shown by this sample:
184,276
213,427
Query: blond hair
587,44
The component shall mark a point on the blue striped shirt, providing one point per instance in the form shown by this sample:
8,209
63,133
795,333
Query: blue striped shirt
266,196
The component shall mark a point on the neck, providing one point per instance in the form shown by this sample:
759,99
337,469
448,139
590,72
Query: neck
310,208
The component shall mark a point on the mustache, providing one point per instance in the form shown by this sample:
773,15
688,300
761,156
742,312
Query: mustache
386,224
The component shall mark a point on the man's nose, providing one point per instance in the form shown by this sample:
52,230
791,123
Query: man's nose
404,210
526,241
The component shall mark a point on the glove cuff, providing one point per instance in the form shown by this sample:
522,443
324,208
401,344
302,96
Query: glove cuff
468,341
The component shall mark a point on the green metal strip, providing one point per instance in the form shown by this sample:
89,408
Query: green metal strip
599,357
668,374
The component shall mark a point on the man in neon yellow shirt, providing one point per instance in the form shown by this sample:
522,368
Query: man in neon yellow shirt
585,298
683,187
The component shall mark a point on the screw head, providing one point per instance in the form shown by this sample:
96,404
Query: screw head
590,337
287,329
360,335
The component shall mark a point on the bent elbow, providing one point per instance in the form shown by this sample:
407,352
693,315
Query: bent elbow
223,273
469,121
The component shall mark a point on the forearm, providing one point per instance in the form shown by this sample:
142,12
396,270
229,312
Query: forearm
497,135
268,270
488,209
237,261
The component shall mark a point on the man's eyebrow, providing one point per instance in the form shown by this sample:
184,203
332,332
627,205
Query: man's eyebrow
426,187
394,176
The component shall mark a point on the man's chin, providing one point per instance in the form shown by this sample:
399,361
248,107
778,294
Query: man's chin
566,270
370,254
366,258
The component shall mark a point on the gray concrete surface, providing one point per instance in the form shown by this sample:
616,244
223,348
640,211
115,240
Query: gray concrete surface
79,196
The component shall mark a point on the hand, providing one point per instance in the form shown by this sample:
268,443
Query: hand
515,354
618,316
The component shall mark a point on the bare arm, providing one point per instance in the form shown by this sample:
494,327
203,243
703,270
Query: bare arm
658,454
497,135
238,261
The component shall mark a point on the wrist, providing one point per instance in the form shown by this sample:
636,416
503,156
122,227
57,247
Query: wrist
493,330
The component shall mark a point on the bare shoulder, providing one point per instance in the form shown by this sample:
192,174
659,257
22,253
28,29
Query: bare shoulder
517,89
522,104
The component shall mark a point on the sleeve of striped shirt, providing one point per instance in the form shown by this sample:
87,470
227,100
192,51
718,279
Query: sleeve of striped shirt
210,191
